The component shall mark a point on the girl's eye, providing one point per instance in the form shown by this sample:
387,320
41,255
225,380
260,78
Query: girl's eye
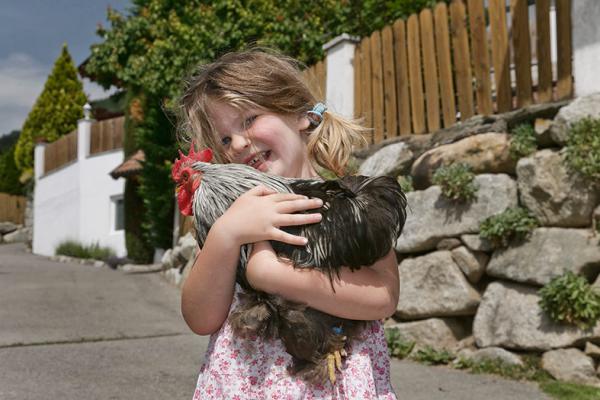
225,141
248,121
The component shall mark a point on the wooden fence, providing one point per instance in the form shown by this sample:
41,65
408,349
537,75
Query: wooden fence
413,76
12,208
107,135
315,77
60,152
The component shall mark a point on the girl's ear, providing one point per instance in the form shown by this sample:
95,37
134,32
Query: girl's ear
303,123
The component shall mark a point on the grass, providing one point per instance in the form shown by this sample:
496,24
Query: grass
72,248
569,391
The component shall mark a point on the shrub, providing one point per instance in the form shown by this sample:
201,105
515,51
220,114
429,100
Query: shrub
397,344
583,147
431,356
513,223
456,182
523,141
570,299
72,248
406,183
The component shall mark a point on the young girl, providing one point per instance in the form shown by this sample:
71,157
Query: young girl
253,108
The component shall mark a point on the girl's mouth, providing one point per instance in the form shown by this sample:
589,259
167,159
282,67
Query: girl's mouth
259,159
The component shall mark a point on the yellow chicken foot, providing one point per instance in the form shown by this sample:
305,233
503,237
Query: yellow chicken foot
334,361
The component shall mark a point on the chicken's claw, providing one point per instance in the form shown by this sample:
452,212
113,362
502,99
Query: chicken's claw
334,361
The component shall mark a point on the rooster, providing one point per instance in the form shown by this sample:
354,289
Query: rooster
361,219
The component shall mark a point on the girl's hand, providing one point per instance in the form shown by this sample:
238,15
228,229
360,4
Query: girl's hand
258,214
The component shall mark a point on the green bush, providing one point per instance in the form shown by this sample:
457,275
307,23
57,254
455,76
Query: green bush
513,223
583,147
72,248
523,141
406,183
431,356
456,182
570,299
397,344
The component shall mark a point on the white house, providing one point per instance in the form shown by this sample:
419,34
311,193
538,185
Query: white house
75,197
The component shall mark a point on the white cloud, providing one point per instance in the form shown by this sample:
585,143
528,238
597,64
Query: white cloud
21,81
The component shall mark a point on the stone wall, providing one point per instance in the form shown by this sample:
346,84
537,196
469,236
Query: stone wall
456,290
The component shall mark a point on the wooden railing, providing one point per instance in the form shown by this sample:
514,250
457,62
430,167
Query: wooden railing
12,208
413,76
107,135
315,77
60,152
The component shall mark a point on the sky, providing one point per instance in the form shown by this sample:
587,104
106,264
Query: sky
32,33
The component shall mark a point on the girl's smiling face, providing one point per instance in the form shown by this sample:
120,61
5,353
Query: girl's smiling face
269,142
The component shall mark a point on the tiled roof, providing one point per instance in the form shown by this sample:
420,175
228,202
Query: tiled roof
131,166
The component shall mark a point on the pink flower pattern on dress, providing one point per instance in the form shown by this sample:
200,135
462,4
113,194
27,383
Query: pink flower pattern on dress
249,369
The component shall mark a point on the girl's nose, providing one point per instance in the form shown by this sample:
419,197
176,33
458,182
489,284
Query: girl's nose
239,141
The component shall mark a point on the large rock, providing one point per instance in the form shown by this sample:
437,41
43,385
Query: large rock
476,242
581,107
491,354
434,286
7,227
439,333
432,217
485,153
570,365
391,160
509,316
549,252
18,236
472,264
556,195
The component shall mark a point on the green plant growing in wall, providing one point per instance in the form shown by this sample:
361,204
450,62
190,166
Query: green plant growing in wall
398,346
456,181
431,356
583,147
570,299
513,223
406,183
523,141
94,251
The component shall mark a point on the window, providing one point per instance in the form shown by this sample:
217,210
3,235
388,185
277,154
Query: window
119,214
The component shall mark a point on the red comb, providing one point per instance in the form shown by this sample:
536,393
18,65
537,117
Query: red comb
192,157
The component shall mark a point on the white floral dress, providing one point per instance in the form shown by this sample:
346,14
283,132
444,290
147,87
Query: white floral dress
244,369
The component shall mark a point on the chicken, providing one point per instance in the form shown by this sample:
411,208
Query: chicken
362,218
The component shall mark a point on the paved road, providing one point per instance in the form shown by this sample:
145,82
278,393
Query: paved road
69,331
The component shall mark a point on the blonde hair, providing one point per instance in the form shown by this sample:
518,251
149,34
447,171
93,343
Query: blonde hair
269,81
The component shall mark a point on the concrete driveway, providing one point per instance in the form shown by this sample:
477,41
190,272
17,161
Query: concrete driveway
70,331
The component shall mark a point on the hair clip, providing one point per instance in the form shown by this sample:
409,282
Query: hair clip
315,116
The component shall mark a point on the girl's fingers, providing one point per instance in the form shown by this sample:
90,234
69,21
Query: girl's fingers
298,219
261,190
288,238
292,206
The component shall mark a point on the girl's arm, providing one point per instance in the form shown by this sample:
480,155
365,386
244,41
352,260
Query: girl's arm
367,294
255,216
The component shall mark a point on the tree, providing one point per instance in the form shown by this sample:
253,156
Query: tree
149,52
55,112
9,174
